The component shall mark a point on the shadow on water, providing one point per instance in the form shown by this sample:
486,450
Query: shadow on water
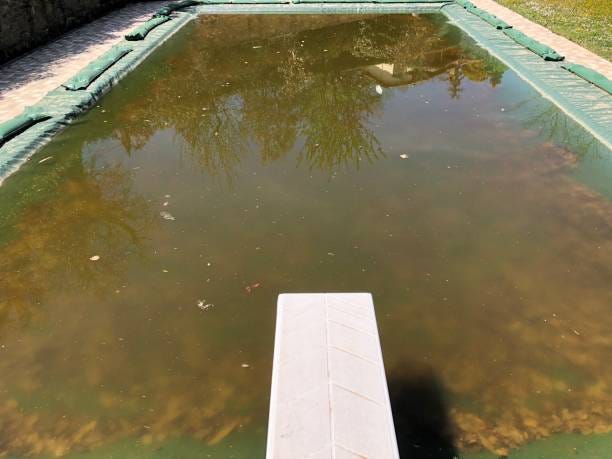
420,412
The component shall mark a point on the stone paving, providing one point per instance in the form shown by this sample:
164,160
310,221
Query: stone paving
572,52
25,80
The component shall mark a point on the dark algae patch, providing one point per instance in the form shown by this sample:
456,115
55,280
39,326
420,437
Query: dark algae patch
142,250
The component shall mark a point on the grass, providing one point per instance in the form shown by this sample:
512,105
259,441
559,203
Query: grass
586,22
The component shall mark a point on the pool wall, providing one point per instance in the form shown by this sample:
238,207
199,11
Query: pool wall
587,104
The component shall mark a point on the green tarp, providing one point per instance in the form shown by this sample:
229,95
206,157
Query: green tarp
92,71
490,18
17,125
540,49
590,75
168,9
140,32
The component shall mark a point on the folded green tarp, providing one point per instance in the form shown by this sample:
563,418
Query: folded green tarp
92,71
490,18
17,125
168,9
590,75
140,32
540,49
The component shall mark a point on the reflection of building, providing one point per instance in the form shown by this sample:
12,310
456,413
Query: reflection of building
421,68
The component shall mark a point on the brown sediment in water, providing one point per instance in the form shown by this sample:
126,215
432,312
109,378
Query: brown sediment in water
519,401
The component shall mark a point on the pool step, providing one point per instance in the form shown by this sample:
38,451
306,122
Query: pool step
329,391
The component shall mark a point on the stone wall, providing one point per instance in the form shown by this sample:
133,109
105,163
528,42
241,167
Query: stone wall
25,24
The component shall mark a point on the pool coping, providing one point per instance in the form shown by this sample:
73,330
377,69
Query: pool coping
585,103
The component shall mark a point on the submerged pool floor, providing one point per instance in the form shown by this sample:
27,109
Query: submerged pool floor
142,250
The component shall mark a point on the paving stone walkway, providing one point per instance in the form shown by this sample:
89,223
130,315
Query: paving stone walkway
572,52
25,80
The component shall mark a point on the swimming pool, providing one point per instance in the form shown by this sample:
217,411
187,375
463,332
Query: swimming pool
142,250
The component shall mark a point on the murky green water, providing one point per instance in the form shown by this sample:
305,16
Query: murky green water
142,251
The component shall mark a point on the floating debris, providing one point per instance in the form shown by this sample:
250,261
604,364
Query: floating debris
404,156
45,159
95,258
379,89
245,365
167,215
203,305
250,288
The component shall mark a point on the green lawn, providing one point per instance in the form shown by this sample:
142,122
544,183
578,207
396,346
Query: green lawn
586,22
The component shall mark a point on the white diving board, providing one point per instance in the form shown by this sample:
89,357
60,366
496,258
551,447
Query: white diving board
329,395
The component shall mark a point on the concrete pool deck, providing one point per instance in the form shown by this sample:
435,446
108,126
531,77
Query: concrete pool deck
26,80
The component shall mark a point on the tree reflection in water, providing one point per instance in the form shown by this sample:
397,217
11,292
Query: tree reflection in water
310,92
94,211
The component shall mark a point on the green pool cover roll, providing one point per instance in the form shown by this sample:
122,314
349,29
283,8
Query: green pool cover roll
490,18
140,32
92,71
540,49
168,9
589,75
17,125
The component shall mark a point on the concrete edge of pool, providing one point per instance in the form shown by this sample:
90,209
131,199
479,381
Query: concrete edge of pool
329,396
588,105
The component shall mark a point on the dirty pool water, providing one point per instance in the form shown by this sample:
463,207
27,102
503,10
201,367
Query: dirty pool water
142,251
